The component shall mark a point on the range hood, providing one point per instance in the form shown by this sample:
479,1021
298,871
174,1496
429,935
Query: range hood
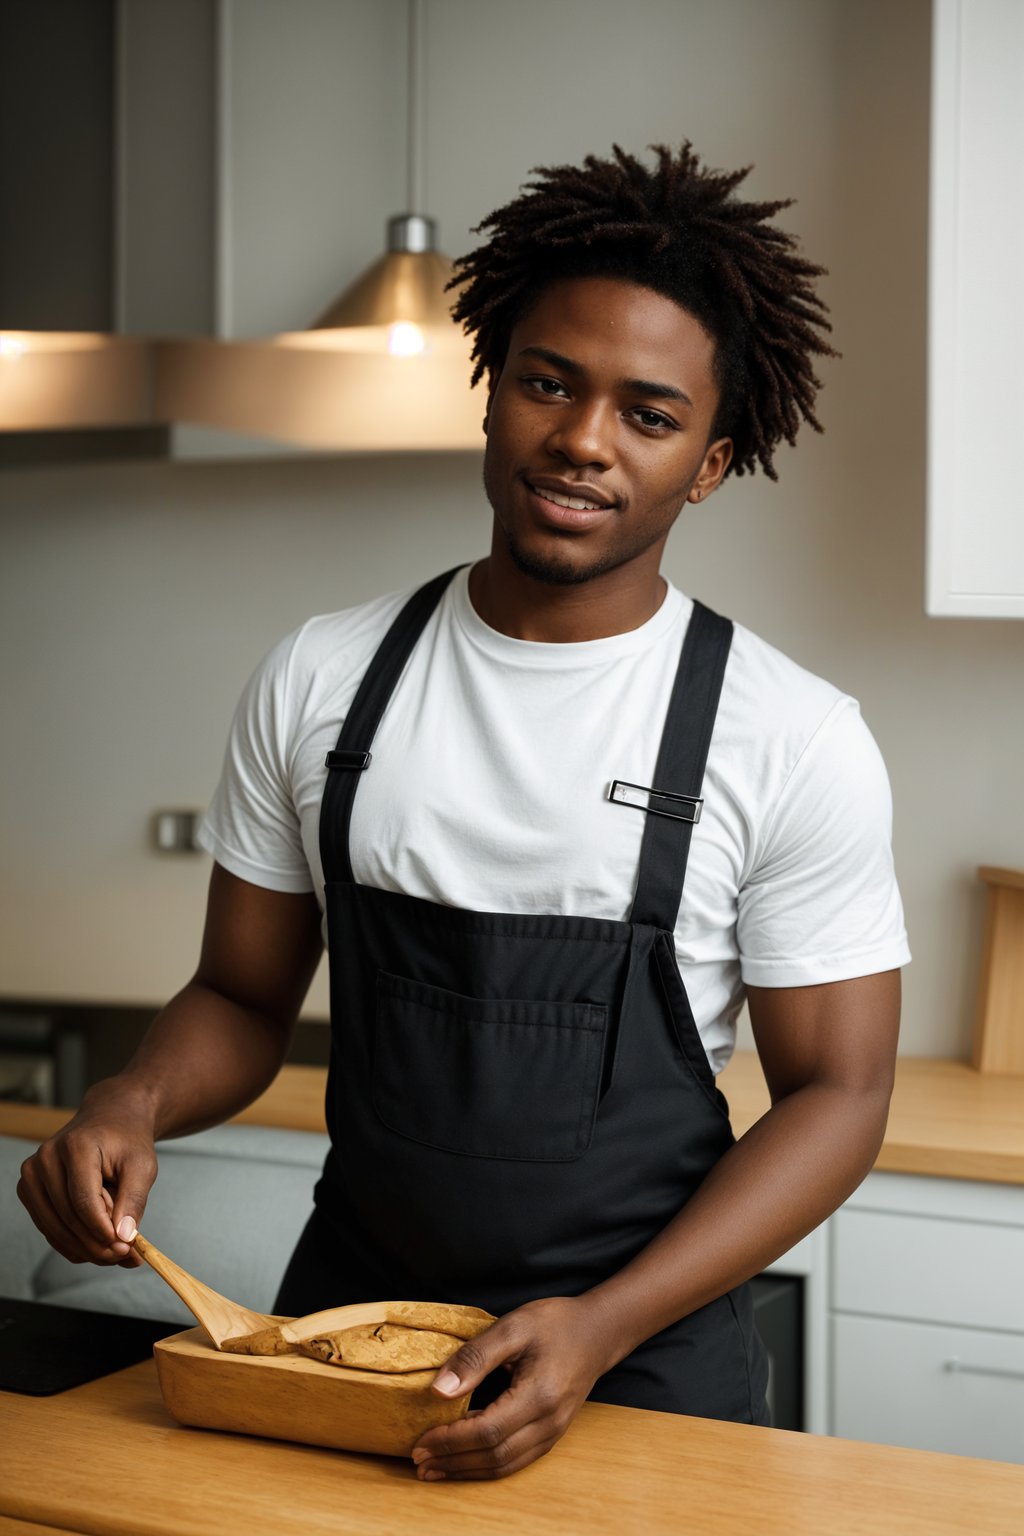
155,356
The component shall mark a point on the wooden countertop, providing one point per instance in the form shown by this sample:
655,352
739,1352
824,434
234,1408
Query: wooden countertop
946,1119
124,1466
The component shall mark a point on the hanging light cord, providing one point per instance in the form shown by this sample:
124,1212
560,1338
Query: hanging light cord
415,201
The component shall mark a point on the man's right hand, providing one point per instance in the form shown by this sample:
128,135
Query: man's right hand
86,1188
212,1050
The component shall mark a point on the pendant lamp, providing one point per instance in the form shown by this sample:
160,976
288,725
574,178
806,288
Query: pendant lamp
399,304
384,369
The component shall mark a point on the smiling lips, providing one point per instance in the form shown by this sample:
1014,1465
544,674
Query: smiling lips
566,510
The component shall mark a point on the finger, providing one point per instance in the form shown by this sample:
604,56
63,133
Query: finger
516,1408
40,1207
79,1194
132,1260
476,1359
45,1196
82,1161
66,1240
519,1426
501,1460
135,1180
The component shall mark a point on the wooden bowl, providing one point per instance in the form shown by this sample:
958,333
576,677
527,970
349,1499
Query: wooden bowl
290,1397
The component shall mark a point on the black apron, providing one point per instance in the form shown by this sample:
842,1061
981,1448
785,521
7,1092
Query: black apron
518,1104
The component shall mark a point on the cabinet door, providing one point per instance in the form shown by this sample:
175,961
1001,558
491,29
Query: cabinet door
959,1390
976,313
925,1269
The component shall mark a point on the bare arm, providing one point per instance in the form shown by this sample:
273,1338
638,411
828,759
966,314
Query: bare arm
828,1054
211,1051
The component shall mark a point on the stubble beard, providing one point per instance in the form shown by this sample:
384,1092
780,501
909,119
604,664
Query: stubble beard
548,568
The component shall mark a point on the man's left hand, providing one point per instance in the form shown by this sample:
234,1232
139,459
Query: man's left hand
555,1351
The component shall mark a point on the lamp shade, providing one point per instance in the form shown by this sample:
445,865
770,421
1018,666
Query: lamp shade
407,283
400,298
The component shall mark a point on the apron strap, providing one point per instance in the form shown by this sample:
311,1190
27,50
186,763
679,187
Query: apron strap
352,753
682,757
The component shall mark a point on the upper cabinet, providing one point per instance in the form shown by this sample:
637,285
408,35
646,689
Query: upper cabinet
976,311
261,149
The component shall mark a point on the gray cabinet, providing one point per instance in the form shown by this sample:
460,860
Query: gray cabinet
927,1316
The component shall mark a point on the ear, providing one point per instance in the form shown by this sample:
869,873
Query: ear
709,477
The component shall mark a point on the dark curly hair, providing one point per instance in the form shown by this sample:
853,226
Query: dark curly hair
679,230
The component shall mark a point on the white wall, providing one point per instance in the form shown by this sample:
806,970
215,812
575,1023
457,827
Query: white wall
134,600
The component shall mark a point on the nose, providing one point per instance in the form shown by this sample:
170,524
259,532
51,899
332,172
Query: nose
583,433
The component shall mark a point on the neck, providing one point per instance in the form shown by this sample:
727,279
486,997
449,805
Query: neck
527,608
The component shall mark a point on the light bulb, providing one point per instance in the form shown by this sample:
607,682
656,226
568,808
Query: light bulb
406,339
11,346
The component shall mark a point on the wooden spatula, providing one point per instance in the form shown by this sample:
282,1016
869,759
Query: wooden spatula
239,1328
222,1319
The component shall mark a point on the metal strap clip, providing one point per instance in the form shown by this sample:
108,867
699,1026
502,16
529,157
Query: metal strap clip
688,807
348,759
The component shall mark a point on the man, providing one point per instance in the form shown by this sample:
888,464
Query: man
534,754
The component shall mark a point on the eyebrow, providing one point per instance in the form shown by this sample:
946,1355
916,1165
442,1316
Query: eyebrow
638,386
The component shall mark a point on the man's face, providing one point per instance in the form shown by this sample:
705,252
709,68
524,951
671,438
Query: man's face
606,401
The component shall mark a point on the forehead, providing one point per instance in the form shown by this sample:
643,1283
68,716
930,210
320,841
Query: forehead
620,329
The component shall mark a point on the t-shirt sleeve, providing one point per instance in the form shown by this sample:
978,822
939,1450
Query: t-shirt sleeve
252,826
821,903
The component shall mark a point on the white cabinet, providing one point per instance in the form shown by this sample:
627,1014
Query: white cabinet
927,1316
976,312
959,1390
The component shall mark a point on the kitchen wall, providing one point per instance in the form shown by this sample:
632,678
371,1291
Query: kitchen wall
134,600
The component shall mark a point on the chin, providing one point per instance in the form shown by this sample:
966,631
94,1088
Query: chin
556,570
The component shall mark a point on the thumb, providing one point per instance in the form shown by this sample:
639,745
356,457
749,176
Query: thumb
474,1360
135,1180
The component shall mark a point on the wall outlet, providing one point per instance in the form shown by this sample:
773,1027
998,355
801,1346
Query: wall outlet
175,831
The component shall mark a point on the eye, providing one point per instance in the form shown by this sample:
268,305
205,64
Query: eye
541,384
652,421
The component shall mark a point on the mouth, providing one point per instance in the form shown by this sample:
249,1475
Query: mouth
568,509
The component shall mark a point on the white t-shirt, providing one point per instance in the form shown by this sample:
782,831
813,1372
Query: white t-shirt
489,782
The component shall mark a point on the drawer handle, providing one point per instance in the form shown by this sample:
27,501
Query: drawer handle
980,1370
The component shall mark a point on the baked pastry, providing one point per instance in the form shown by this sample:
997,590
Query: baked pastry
387,1347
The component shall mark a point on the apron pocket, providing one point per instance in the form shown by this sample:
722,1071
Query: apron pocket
512,1079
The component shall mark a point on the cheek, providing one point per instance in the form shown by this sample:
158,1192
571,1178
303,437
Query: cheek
660,485
509,433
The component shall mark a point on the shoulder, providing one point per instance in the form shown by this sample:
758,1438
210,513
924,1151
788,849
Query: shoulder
817,896
772,712
791,749
308,677
775,694
345,639
328,653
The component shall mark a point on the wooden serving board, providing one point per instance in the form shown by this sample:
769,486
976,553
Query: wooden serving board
291,1397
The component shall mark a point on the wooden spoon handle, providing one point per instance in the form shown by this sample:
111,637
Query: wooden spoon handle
222,1319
